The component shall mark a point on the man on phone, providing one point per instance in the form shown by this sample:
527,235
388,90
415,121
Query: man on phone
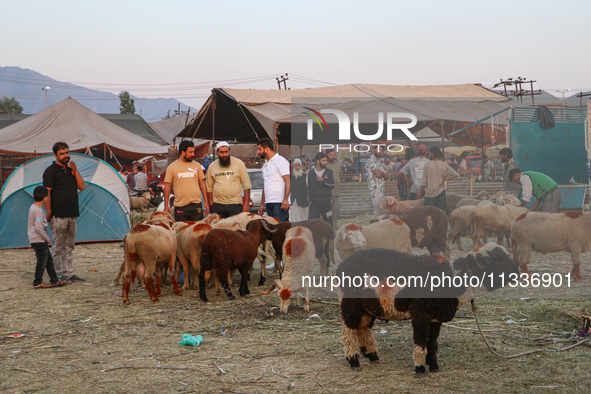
63,181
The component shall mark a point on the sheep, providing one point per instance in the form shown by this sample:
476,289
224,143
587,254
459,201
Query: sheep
428,228
551,232
460,220
189,238
224,250
323,236
390,204
264,251
494,219
452,200
140,203
386,298
298,261
153,218
146,247
389,233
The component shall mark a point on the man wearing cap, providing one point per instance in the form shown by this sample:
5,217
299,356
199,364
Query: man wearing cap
186,177
226,178
299,193
540,186
375,178
413,172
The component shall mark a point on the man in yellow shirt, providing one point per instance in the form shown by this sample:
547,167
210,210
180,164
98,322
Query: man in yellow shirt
186,178
226,177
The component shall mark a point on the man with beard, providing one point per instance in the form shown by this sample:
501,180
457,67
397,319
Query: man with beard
277,185
506,155
186,177
299,193
226,177
335,166
320,185
63,181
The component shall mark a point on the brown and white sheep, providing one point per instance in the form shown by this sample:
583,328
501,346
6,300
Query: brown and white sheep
428,228
551,232
146,247
322,235
225,250
492,218
298,253
390,204
452,199
389,299
189,238
388,233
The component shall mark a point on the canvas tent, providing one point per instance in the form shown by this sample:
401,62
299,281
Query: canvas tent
244,115
104,203
79,127
137,125
167,129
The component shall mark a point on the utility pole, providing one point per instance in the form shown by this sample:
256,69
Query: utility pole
581,95
519,92
283,79
45,89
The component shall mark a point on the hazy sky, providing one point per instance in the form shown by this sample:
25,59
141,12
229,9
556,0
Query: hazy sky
127,45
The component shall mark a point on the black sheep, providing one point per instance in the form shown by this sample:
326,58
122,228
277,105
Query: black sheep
361,306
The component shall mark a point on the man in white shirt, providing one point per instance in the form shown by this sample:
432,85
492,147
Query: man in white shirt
277,185
413,171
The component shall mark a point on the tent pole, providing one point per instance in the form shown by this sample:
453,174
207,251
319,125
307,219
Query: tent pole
213,123
105,151
276,141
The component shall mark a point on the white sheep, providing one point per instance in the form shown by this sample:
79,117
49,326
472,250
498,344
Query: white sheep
298,262
389,233
551,232
494,219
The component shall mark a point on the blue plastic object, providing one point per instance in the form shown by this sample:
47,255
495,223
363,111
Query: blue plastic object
191,340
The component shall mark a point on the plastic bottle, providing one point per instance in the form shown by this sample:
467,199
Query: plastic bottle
191,340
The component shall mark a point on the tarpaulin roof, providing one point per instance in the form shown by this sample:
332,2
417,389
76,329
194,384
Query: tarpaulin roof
245,115
137,125
167,129
79,127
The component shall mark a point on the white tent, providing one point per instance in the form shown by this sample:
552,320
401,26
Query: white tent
79,127
167,129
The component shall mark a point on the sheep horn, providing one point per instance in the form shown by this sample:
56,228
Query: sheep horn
276,283
266,226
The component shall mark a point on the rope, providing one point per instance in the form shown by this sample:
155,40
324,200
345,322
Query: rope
475,309
248,120
113,155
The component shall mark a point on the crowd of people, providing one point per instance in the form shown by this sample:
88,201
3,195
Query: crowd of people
297,191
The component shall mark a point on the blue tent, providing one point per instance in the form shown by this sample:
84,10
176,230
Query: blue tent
104,203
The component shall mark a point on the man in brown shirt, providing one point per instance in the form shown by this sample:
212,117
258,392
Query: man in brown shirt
186,178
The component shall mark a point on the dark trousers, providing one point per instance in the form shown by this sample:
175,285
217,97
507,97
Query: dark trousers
403,192
226,210
274,210
44,261
191,211
320,209
438,201
412,196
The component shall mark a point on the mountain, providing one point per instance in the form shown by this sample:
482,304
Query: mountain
25,85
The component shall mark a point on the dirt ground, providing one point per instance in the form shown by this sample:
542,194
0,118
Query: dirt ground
80,338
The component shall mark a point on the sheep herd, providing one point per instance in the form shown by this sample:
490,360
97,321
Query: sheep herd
214,249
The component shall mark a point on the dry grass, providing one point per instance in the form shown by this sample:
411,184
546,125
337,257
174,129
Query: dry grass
80,338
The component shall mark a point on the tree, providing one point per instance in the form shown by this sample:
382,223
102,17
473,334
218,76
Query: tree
168,116
10,106
127,103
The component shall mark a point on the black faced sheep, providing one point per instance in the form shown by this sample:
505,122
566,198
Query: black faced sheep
388,298
298,261
428,228
225,250
551,232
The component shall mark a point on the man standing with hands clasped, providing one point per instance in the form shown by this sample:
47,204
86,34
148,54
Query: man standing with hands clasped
63,181
320,185
226,177
186,177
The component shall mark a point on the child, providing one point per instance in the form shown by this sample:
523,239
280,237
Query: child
39,240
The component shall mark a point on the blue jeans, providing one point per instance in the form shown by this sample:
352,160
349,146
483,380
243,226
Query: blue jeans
274,209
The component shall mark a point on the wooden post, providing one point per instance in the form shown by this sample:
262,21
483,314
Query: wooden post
471,181
276,140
